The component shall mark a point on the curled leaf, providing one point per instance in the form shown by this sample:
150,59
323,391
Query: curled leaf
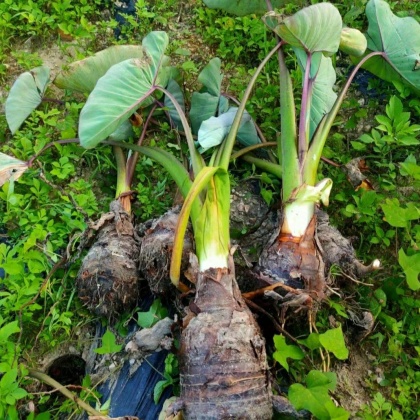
25,95
11,168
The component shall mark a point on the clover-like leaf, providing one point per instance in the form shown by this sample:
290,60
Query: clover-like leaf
25,96
285,351
109,344
83,75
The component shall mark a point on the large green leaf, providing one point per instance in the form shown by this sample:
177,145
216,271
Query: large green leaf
211,77
248,7
121,91
323,95
25,95
314,28
213,131
203,106
83,75
399,39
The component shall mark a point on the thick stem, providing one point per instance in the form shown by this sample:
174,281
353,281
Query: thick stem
132,160
269,167
122,186
321,135
304,112
287,145
230,140
196,159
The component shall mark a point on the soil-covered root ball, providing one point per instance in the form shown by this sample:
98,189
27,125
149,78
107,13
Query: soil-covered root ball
107,282
156,251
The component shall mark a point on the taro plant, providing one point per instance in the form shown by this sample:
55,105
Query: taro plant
108,279
125,88
313,35
223,340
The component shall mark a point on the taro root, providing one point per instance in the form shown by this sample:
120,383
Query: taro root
222,357
156,251
107,281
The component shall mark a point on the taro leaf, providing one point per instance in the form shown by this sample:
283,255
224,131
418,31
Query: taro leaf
83,75
123,132
120,92
247,134
25,95
211,77
314,28
333,341
248,7
176,92
203,106
285,351
109,344
411,267
323,95
11,168
315,396
399,39
215,129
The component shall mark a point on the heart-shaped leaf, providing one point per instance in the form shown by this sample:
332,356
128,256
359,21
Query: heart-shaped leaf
11,168
211,77
314,28
248,7
25,95
121,91
203,106
83,75
399,39
314,396
333,341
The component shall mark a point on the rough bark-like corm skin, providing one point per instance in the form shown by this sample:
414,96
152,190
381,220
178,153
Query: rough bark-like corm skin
107,282
156,251
296,262
223,366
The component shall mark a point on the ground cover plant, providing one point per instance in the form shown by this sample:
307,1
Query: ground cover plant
383,210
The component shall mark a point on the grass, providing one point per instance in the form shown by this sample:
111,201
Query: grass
45,216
